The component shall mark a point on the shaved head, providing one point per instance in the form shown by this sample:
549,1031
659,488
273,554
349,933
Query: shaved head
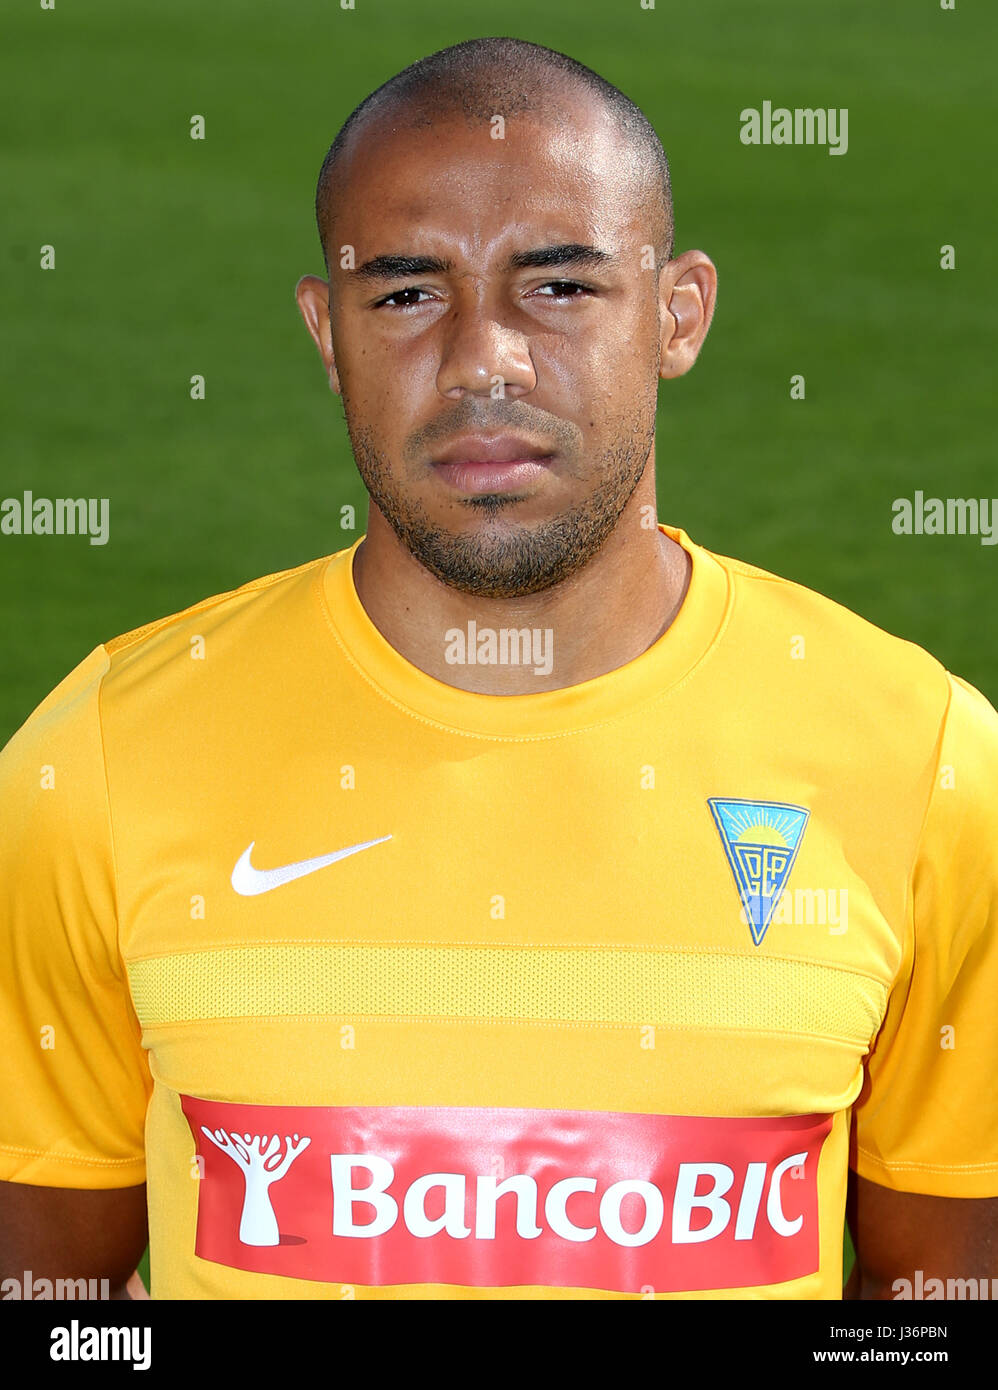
502,300
483,78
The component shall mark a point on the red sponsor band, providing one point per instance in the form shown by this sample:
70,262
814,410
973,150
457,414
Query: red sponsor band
495,1198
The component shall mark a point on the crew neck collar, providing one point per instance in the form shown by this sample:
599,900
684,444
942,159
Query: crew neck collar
667,662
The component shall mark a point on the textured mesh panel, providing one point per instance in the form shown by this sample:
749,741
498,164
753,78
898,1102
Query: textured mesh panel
668,988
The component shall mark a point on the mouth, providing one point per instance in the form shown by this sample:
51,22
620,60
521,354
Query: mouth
502,463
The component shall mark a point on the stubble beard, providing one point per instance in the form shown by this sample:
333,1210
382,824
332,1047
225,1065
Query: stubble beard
507,559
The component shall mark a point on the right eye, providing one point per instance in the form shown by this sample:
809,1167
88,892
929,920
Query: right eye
401,294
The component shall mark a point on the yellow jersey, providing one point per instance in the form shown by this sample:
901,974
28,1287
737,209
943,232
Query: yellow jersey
391,990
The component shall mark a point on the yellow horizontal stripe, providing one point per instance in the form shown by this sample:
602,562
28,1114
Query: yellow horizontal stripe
672,989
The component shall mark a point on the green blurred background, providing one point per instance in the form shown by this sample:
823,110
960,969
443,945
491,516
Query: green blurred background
176,257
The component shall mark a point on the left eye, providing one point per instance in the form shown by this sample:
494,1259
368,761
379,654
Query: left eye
561,289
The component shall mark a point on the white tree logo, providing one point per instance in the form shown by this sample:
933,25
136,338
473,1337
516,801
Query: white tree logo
262,1164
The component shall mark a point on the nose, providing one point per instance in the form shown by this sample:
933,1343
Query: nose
482,355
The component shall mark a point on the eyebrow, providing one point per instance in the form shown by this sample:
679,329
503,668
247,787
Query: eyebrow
383,268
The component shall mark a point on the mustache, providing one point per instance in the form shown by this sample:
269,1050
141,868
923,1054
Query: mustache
473,415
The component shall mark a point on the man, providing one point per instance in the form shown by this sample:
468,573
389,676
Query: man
524,903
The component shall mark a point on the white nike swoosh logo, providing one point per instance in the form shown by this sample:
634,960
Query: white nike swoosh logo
249,881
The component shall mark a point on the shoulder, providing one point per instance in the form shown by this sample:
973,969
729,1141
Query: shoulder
764,596
819,649
256,600
245,623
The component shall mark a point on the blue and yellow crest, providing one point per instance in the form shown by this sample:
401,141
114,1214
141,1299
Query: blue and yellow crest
761,840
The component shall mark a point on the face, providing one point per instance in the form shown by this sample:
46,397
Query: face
495,333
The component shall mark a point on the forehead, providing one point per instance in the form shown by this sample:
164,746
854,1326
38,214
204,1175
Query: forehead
569,169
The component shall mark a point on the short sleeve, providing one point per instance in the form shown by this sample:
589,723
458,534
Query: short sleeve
927,1117
74,1078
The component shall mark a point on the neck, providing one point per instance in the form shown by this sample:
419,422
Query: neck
600,618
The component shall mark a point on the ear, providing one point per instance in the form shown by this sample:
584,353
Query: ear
312,295
687,292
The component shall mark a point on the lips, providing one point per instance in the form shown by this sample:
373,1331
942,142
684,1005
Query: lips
490,464
501,448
